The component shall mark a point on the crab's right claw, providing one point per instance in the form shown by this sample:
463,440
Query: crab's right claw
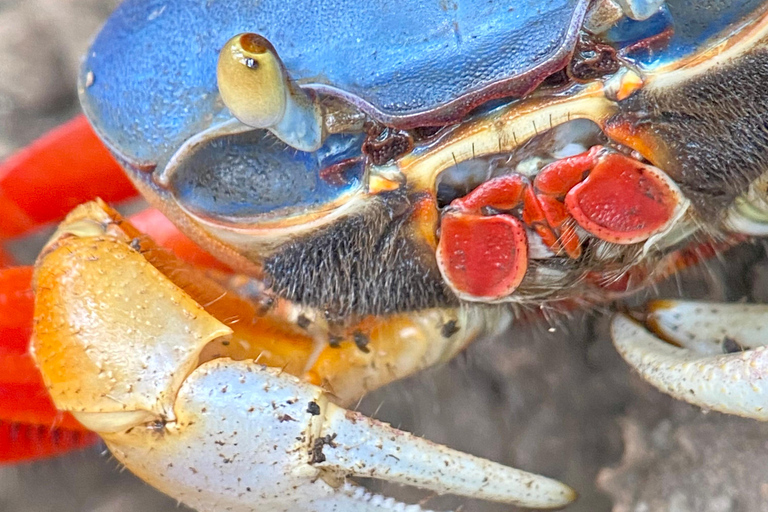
125,349
707,354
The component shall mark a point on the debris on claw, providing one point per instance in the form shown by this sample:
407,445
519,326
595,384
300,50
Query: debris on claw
708,354
225,408
126,355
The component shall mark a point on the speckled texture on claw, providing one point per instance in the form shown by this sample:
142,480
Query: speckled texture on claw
730,383
225,410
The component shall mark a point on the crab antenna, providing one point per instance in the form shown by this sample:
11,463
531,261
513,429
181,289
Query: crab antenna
257,90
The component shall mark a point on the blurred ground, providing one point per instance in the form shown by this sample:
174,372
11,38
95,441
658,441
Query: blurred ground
550,398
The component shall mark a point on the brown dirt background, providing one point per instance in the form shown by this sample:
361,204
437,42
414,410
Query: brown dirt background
554,398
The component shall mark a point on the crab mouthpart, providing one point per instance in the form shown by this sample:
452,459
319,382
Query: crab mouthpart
707,354
539,198
623,201
483,258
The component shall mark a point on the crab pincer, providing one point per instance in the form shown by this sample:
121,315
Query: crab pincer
708,354
132,359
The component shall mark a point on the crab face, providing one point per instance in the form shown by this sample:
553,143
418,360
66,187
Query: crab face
378,205
405,154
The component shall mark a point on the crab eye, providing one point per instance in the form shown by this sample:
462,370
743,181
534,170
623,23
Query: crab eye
252,82
252,178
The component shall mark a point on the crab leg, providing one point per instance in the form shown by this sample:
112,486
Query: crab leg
69,161
714,356
139,360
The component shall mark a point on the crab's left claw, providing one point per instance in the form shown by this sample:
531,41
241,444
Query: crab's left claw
713,356
124,344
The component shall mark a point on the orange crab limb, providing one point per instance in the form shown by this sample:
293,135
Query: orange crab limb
69,161
164,233
30,425
623,201
357,358
6,260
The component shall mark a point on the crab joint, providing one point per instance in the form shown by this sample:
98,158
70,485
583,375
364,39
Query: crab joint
256,88
137,359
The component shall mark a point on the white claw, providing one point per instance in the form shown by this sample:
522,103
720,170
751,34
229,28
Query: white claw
126,355
710,328
368,448
731,383
247,438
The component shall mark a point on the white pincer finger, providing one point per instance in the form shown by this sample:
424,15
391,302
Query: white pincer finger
730,383
368,448
248,438
708,327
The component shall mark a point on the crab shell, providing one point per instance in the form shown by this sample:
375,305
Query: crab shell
152,68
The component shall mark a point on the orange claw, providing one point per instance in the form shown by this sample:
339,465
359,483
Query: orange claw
30,425
44,181
41,184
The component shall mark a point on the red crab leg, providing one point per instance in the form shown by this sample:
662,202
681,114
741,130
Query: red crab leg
44,181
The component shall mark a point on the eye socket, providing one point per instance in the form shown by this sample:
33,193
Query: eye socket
253,177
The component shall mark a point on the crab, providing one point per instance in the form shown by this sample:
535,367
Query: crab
371,214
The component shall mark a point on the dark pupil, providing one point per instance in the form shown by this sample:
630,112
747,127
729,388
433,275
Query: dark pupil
251,63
